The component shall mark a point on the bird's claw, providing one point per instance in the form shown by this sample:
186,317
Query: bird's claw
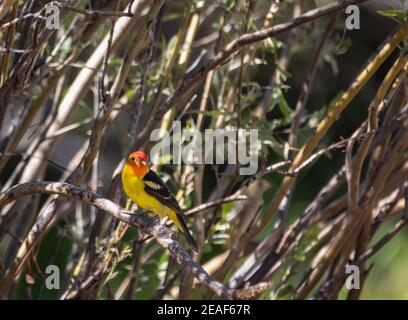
156,219
150,221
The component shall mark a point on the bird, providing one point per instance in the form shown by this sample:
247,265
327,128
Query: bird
145,188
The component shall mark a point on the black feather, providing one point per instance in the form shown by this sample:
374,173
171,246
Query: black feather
159,190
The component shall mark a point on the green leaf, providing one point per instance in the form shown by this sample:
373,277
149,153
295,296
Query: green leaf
150,276
309,236
165,159
278,98
286,292
229,4
392,13
284,107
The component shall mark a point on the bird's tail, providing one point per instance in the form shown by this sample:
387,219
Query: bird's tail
182,226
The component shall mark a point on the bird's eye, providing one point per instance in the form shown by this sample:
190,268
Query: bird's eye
132,159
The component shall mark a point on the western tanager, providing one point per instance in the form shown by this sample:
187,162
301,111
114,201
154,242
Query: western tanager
145,188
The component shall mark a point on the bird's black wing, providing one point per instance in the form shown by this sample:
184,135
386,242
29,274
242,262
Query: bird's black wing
155,187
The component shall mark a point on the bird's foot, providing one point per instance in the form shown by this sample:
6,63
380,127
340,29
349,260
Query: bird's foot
156,219
149,221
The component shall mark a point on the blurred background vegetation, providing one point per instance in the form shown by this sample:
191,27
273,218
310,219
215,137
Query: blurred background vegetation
50,117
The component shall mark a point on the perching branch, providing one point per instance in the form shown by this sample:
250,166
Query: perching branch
163,235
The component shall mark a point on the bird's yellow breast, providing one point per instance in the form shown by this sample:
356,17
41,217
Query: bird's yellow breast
133,186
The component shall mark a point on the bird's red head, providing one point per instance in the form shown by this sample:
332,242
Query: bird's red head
138,161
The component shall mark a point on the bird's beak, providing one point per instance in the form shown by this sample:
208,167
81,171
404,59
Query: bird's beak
143,163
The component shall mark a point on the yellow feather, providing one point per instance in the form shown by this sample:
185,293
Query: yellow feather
133,186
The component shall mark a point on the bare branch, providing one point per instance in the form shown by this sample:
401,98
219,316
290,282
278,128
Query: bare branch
162,234
193,79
